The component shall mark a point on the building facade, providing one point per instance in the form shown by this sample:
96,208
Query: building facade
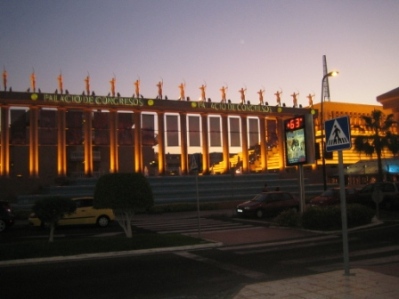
47,135
56,135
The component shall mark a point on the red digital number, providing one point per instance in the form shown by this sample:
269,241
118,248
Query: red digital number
294,123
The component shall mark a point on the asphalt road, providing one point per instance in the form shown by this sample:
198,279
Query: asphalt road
210,273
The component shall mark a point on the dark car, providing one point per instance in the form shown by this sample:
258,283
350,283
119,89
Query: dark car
332,197
6,215
390,194
268,203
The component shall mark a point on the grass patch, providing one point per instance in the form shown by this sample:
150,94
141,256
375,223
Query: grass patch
66,247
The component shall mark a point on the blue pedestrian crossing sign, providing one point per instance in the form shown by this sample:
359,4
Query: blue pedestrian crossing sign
338,135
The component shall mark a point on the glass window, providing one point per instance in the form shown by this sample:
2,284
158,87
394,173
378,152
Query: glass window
100,125
48,127
215,131
172,130
125,128
19,126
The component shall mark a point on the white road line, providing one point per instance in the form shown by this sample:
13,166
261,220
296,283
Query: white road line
267,246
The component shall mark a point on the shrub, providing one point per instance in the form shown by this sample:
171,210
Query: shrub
329,218
359,215
288,218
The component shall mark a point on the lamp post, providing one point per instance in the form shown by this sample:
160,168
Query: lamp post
330,74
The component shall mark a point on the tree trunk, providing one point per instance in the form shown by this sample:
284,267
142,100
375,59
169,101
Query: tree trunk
379,163
124,219
129,233
52,228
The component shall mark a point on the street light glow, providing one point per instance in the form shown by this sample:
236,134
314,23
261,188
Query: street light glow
333,74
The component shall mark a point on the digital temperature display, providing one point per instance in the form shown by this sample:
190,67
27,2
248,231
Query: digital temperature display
295,123
295,140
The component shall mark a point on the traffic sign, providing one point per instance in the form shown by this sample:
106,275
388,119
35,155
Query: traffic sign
338,134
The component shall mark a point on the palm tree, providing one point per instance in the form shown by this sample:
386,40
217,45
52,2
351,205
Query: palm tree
381,138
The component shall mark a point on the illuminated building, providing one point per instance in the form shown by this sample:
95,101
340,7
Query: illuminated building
47,135
50,135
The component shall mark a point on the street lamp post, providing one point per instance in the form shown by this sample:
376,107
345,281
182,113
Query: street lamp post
330,74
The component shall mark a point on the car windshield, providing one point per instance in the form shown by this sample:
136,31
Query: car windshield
258,197
328,192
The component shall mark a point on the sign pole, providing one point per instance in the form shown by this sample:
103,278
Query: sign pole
302,189
339,138
198,205
343,213
194,167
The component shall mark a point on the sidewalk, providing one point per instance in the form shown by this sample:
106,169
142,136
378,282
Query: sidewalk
360,284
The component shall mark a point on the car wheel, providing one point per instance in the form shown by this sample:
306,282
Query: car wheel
103,221
2,225
260,213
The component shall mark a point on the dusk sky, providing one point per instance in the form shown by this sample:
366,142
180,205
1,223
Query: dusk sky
249,44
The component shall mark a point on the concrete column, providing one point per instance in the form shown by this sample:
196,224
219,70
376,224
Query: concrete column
88,144
33,141
161,143
280,133
263,145
244,145
61,142
113,141
205,143
137,142
183,145
5,142
225,141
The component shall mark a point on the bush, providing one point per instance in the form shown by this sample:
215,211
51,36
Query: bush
359,215
288,218
329,218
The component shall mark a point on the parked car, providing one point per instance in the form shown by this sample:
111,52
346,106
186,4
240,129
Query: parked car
332,196
85,213
268,203
390,191
6,216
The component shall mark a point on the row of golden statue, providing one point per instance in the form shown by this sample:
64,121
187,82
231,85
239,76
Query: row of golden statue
181,86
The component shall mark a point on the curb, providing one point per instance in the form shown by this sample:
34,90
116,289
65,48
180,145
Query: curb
107,254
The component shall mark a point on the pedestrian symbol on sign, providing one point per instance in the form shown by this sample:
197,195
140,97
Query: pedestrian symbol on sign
337,136
338,133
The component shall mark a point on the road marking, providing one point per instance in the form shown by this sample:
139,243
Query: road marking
188,225
229,267
271,246
358,253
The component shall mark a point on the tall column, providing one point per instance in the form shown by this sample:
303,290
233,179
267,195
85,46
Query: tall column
205,143
113,141
33,142
280,132
225,140
88,144
183,146
161,143
5,142
263,145
244,137
61,142
137,142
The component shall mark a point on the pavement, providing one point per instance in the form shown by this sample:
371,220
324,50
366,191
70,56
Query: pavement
369,282
360,283
372,282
